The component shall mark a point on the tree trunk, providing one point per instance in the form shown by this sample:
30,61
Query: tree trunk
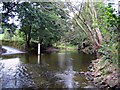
28,38
28,41
99,36
27,45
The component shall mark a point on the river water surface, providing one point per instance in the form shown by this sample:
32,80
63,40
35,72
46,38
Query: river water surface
50,70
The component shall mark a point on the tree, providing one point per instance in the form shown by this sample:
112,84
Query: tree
108,25
86,19
8,11
40,21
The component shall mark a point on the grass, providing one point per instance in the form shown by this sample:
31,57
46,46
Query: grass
67,47
1,36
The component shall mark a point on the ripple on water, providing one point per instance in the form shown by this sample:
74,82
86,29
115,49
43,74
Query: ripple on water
67,78
14,74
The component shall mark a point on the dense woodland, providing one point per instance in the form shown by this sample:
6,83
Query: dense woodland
91,26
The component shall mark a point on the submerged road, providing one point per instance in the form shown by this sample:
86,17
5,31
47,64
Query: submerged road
11,50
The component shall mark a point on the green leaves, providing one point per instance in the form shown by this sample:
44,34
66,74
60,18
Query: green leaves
41,20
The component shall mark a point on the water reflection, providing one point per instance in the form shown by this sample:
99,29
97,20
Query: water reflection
55,70
27,58
61,60
39,59
14,75
66,76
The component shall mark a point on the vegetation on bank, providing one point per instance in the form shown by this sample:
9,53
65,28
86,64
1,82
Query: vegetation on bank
104,74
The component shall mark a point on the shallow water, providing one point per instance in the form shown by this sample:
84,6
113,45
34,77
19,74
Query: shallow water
11,50
50,70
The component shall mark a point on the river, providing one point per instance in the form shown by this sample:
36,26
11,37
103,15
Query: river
50,70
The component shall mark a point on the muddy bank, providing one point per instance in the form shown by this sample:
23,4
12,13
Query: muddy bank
104,74
86,48
33,48
51,49
43,48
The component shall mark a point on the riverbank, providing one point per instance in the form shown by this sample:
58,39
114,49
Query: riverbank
104,74
34,47
10,50
14,44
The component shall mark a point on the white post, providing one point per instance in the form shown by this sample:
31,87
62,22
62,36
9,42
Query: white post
38,48
38,59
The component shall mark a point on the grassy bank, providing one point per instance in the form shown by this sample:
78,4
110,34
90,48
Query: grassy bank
67,47
15,44
1,36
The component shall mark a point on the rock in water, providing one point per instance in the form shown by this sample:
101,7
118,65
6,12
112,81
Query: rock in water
2,50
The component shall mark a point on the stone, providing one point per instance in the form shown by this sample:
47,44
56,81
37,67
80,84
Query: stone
3,50
105,74
98,74
112,82
97,79
82,73
89,87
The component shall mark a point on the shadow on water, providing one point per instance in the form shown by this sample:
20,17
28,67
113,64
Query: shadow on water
54,70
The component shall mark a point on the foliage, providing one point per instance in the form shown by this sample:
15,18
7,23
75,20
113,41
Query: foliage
108,26
18,36
8,11
50,22
6,34
45,27
43,22
85,17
